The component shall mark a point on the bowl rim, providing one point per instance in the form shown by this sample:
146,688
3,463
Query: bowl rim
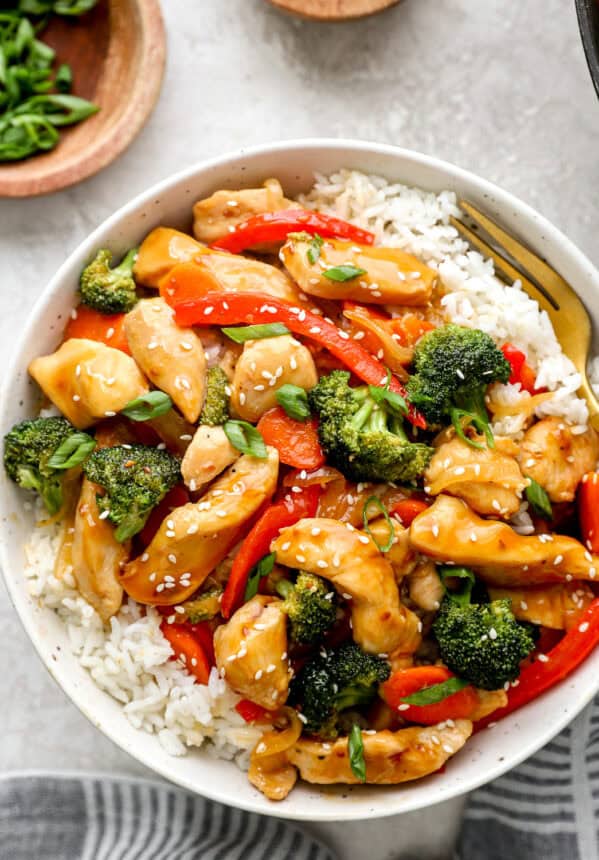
286,148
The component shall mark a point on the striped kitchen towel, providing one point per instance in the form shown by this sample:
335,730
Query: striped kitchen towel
545,809
100,817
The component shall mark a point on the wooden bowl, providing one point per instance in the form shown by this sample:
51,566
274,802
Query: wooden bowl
117,53
333,10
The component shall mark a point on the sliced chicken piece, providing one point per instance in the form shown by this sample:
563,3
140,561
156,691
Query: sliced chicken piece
88,380
488,701
209,453
451,532
194,538
556,458
170,356
388,275
358,571
488,479
263,367
164,248
425,587
98,558
390,757
215,215
251,651
400,554
556,606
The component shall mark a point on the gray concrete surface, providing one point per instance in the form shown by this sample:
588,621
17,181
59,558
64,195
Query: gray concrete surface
498,87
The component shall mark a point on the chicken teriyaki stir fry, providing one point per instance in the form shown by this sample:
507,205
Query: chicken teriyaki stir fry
273,435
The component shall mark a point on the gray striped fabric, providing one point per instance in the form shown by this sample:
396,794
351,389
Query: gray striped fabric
545,809
54,817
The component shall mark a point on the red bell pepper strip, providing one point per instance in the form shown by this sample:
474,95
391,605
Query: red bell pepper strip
588,510
174,499
92,325
405,682
275,227
296,441
564,658
204,634
251,712
408,509
522,372
226,309
293,507
188,649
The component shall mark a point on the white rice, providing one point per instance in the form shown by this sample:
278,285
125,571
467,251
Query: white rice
129,657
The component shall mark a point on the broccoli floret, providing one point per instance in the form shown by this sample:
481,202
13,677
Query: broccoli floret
481,642
343,678
110,291
203,607
216,404
135,478
453,368
308,609
361,437
28,449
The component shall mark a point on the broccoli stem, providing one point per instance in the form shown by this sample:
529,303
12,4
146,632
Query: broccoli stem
125,267
472,410
284,588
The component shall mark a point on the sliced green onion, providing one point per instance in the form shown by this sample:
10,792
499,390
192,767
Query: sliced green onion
72,451
294,401
436,693
64,78
259,570
150,405
245,438
355,746
241,334
313,253
343,273
374,500
463,595
394,401
460,419
538,499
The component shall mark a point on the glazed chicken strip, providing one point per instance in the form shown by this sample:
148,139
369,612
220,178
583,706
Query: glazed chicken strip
387,275
171,357
556,606
97,556
213,216
209,453
251,652
400,553
263,367
390,757
488,479
352,562
194,538
451,532
556,458
163,248
88,380
425,587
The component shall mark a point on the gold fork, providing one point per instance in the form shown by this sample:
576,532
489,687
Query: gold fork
568,315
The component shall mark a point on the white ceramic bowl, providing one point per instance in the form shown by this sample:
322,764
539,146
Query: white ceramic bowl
485,756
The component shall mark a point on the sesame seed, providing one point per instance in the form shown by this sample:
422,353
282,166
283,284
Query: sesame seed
523,605
435,530
192,529
473,537
321,563
109,332
160,587
145,556
584,627
270,668
492,633
258,675
403,707
543,658
459,470
104,515
172,558
363,539
435,740
315,531
76,398
558,559
170,534
301,559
